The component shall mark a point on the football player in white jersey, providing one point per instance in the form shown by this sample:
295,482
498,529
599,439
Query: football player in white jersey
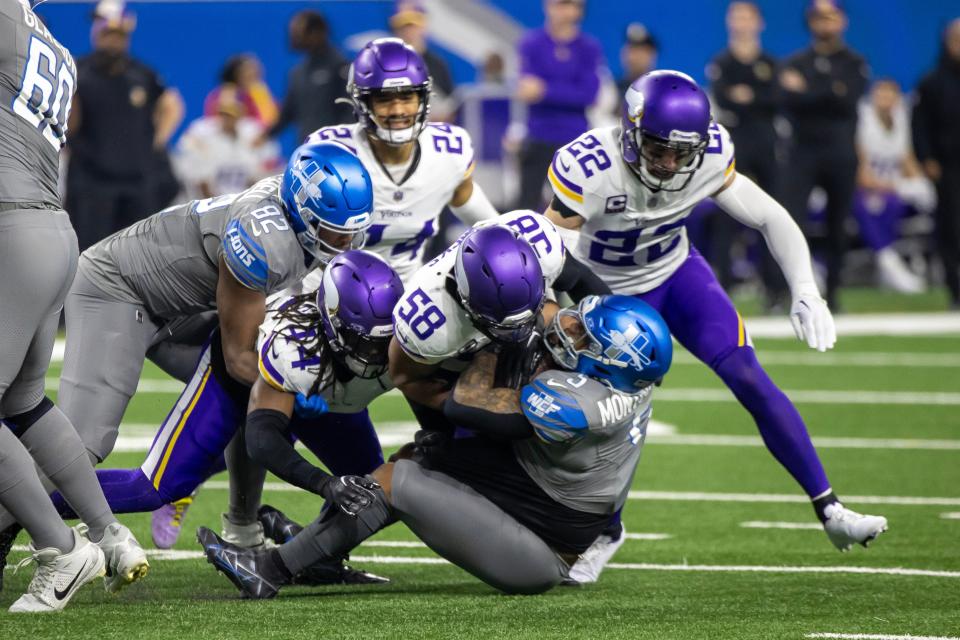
417,167
622,195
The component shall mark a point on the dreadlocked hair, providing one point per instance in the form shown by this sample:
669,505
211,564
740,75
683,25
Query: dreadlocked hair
301,314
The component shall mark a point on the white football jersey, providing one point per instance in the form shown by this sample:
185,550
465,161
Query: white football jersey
633,238
429,322
287,365
406,215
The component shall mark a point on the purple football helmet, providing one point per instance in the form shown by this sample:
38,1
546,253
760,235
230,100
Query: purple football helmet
356,300
389,65
665,129
500,282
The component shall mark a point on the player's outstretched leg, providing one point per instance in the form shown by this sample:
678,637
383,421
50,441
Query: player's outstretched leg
281,529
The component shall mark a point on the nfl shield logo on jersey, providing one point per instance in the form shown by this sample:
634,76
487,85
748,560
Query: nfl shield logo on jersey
397,195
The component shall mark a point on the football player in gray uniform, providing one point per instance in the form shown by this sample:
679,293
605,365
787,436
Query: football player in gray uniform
38,259
519,496
135,287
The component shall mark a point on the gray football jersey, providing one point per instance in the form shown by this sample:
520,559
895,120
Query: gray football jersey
37,81
169,261
588,439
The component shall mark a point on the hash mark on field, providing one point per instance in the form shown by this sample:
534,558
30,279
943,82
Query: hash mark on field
648,536
874,636
951,515
760,524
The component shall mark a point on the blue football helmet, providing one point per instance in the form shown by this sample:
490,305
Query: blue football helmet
619,340
326,191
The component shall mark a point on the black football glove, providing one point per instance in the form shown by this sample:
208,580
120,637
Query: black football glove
516,363
352,494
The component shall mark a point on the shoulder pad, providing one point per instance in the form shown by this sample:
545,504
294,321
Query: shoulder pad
245,257
580,172
455,143
339,133
551,408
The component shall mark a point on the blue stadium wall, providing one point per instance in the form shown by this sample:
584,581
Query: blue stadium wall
188,41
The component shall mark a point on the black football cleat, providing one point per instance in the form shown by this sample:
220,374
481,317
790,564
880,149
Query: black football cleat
7,537
336,572
281,529
276,525
253,572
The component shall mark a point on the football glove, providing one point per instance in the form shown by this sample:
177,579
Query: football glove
812,321
352,494
310,407
517,363
845,527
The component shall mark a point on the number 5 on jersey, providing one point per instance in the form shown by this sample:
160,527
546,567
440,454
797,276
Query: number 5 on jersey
421,314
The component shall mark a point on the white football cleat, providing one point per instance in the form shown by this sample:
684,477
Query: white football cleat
126,560
248,536
592,561
59,575
845,527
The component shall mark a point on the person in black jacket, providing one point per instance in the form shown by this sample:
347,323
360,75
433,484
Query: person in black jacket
936,138
821,87
744,87
315,84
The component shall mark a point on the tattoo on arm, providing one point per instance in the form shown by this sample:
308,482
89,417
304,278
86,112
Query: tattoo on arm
475,388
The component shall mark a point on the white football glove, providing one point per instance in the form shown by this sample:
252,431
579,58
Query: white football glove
845,527
812,321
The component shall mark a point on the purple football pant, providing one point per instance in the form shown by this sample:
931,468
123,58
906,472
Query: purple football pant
189,446
703,319
878,215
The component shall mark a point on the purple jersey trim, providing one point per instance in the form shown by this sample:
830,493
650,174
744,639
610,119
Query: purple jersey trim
564,181
267,365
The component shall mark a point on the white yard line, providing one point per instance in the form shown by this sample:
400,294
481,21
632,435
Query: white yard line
951,515
870,359
712,440
648,536
702,496
875,636
817,396
695,496
176,554
146,385
760,524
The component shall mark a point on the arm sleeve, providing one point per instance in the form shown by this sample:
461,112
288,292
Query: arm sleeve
752,206
476,209
268,445
579,281
503,426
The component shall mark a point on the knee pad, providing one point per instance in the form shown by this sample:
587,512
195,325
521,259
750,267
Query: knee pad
20,423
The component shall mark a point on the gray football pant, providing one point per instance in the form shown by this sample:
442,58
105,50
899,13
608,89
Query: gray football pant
452,519
107,343
38,257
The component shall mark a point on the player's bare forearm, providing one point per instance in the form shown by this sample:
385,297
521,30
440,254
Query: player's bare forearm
263,396
241,311
415,380
475,388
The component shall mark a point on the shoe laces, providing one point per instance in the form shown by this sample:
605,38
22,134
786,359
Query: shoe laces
44,574
179,510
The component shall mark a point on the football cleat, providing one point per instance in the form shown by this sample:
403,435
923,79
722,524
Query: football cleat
587,569
166,523
252,571
126,560
846,528
7,537
248,536
59,575
281,529
276,525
